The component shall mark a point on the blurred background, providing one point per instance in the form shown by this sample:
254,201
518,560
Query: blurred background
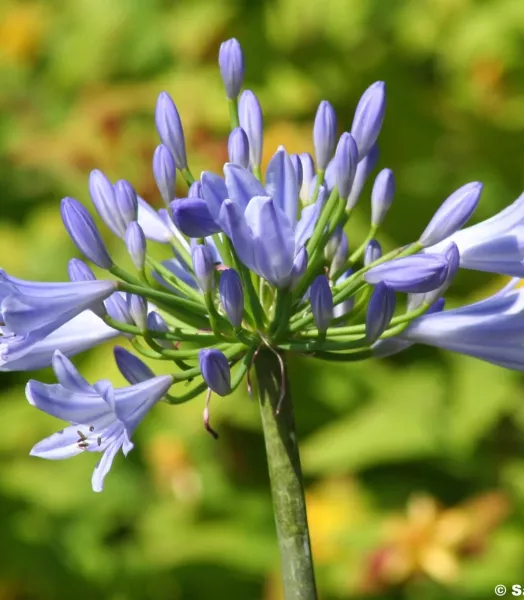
414,465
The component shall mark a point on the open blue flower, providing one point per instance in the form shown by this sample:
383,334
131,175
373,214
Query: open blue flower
102,418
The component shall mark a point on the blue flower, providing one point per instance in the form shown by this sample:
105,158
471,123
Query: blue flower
32,311
83,332
260,221
102,418
495,245
492,329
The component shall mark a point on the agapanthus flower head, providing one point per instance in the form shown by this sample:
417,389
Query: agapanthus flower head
277,245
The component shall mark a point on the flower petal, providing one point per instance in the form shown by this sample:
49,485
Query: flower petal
282,185
308,219
63,444
214,192
273,240
104,465
192,217
234,224
242,185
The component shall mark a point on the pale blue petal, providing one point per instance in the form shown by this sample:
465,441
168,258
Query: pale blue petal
273,240
242,185
214,192
83,332
58,402
132,403
63,444
68,376
234,224
151,223
103,467
282,185
308,219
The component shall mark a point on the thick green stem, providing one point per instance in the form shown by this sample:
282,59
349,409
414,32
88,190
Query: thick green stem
286,478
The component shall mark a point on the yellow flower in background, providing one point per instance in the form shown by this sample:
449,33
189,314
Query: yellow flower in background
21,30
334,506
432,540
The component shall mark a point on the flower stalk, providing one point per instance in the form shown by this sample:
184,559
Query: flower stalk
285,473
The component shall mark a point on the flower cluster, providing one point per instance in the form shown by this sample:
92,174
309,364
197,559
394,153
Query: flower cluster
258,260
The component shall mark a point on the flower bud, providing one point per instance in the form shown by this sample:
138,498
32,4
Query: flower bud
118,309
369,116
131,367
321,299
452,255
231,62
372,253
333,243
104,197
364,168
308,173
382,196
324,134
164,171
238,148
138,310
127,202
136,245
419,273
215,370
170,130
203,267
297,165
156,322
380,311
84,233
195,190
79,271
252,122
341,254
345,165
299,268
232,296
346,306
452,214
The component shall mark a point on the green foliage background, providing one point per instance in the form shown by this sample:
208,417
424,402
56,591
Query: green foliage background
186,517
